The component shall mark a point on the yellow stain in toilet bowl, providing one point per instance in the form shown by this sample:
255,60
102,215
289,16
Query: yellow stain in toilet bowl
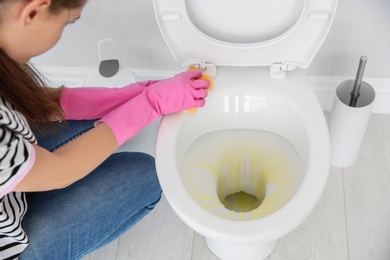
259,163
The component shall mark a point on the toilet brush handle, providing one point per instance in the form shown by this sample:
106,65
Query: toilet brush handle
358,81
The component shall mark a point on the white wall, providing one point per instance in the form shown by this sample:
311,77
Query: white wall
130,22
361,27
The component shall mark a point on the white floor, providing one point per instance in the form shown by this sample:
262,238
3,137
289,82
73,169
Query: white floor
351,221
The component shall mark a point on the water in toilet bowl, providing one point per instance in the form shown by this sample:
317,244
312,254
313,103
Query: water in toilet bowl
241,174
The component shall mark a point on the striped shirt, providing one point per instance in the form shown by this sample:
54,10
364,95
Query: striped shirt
17,155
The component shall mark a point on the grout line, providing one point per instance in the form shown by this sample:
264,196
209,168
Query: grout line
345,213
117,248
193,244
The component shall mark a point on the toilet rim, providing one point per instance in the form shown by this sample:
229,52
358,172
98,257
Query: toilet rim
298,93
264,229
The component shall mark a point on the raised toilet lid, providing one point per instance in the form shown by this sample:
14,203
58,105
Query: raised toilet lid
245,32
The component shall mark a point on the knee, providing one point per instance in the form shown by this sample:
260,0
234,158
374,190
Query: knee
142,172
149,172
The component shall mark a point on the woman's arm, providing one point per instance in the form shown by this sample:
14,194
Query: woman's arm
71,162
80,156
95,102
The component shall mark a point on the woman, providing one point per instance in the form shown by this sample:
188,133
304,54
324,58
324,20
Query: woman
78,194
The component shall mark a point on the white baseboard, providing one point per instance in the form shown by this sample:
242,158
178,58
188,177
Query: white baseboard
324,86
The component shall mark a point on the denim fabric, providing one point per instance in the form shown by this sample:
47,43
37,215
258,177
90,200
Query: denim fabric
75,221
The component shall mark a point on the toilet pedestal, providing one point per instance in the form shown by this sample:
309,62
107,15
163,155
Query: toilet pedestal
227,251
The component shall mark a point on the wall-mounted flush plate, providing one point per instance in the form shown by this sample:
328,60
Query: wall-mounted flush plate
109,58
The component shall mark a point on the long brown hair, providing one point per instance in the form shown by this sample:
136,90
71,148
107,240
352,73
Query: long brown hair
25,88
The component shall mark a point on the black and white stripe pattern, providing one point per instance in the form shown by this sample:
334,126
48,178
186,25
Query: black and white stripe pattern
15,121
13,239
16,150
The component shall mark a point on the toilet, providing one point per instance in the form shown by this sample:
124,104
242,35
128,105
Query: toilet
250,166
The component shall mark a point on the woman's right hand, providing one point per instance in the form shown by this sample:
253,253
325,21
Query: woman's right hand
181,92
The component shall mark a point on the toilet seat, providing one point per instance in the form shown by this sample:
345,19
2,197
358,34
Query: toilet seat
184,32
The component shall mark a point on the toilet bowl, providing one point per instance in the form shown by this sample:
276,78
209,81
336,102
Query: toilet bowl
250,166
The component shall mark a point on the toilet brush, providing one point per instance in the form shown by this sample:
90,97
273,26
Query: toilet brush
349,118
358,82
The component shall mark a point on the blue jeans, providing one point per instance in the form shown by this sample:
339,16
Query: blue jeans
75,221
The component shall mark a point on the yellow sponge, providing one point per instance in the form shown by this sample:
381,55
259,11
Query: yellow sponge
204,77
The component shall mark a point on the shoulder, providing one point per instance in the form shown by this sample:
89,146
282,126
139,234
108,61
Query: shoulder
17,153
13,122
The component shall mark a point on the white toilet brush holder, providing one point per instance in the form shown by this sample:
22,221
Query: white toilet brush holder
349,119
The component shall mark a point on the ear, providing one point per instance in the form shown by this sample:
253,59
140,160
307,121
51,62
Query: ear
32,10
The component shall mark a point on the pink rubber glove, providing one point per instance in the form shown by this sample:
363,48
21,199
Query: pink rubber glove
96,102
182,92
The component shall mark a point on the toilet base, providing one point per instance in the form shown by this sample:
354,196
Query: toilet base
226,251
